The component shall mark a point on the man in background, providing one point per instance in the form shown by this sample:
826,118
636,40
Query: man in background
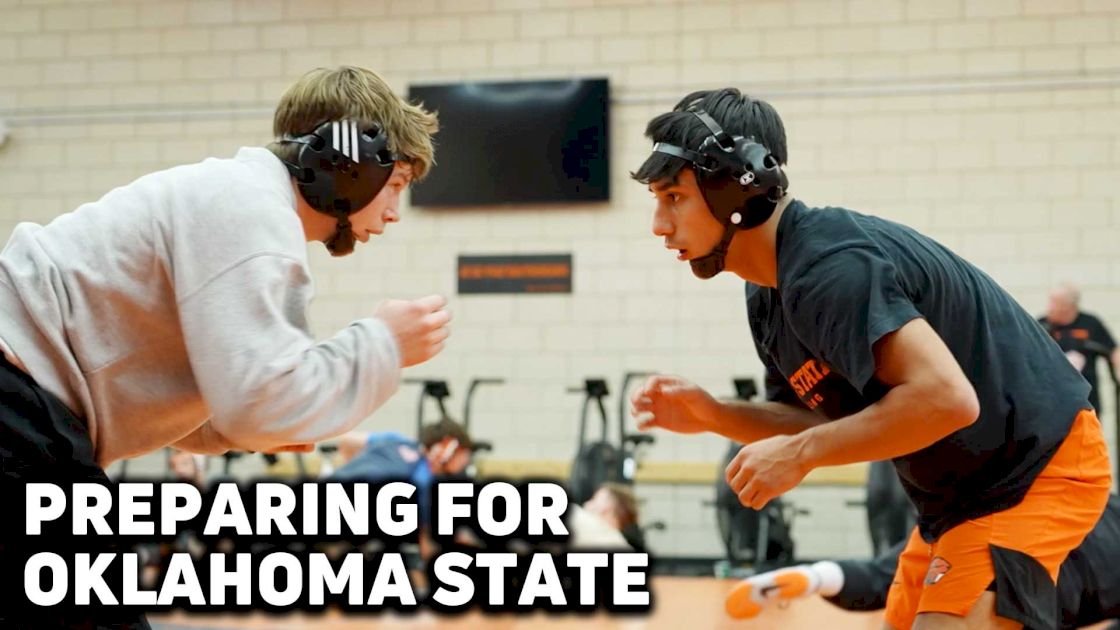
1082,336
444,450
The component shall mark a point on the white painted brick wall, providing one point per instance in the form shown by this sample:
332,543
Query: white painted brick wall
1022,182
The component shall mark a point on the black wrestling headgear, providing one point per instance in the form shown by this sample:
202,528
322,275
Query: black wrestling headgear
340,168
740,179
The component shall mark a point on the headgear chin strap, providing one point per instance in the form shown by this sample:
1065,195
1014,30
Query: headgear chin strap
711,264
740,179
340,168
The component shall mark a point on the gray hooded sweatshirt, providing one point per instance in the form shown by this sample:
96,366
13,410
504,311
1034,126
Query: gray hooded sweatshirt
173,311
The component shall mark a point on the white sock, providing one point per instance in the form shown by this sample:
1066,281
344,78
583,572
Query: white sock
831,577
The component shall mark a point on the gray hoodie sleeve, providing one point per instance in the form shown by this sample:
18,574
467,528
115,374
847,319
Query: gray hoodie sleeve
267,382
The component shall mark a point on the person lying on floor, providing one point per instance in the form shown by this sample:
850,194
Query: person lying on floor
1088,583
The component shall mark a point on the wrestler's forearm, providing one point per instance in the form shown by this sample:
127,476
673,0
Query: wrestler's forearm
909,418
747,422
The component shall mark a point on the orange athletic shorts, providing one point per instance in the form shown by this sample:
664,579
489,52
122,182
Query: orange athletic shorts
1011,547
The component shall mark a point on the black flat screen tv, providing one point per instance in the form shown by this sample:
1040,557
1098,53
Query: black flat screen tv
521,142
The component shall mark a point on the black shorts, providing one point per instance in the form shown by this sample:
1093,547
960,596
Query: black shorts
42,440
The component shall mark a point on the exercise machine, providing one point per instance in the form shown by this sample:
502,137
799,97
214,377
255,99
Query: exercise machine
754,541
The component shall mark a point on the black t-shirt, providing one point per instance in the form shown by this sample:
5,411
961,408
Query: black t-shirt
845,280
1087,336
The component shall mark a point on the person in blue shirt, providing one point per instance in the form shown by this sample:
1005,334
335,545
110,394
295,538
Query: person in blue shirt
443,451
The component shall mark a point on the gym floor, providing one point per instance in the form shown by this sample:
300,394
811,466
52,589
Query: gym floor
679,602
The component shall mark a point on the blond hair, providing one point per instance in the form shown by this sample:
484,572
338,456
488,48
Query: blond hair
350,92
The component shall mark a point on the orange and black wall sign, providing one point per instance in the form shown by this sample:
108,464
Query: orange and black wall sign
516,273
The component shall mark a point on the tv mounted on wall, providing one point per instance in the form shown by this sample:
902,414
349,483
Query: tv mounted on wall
519,142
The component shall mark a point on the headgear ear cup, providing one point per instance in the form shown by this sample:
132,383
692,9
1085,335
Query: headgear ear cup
348,168
732,171
340,168
740,179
